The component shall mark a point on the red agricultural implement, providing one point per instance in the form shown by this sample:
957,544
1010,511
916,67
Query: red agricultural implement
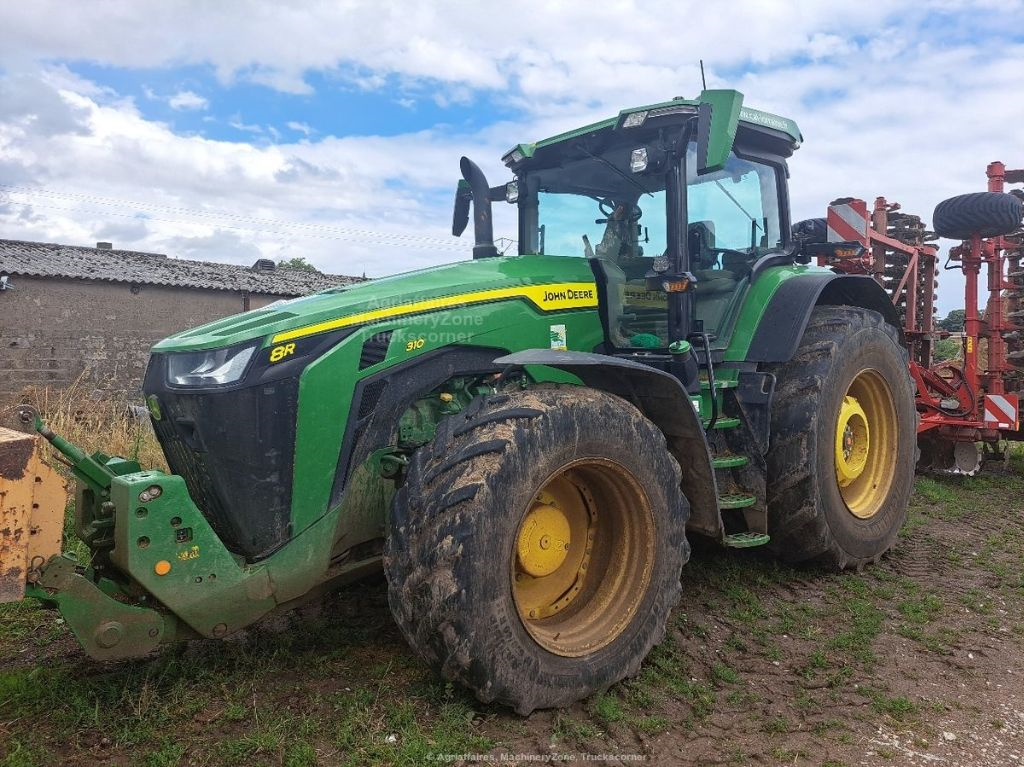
967,408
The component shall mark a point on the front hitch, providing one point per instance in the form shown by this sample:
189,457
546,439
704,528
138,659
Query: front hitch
33,498
106,628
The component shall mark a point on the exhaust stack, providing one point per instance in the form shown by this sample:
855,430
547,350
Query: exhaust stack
474,188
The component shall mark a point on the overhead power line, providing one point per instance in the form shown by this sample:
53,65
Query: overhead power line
370,237
190,215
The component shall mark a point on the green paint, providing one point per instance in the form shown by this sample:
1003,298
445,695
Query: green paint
727,102
745,540
383,293
418,424
736,501
107,628
139,522
170,528
726,423
730,461
725,115
755,302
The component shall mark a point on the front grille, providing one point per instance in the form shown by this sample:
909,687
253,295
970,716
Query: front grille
235,451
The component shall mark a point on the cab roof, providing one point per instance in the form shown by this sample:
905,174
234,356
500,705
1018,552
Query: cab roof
636,116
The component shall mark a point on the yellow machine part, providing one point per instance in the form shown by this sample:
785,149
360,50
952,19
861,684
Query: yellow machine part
32,501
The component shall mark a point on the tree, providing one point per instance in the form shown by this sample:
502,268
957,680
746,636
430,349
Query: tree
946,349
954,322
298,262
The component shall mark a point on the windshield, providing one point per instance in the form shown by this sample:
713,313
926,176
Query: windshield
597,207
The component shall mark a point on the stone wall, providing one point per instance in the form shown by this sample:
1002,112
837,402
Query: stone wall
53,331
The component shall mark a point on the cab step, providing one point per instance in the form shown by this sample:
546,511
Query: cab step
745,540
727,423
719,385
729,461
736,501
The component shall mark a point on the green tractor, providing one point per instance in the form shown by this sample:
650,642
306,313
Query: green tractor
526,441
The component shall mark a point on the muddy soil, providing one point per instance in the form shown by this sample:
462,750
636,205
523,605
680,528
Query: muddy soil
914,661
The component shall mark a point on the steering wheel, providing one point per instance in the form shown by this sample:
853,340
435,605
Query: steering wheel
608,207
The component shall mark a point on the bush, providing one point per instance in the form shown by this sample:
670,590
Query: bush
947,349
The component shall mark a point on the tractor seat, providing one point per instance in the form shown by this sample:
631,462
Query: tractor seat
714,281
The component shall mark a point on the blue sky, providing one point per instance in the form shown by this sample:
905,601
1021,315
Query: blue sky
247,111
238,130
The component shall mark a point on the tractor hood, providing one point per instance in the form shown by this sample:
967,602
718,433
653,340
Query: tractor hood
416,292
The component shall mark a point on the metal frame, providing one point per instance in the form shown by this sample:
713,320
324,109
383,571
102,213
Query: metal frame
895,249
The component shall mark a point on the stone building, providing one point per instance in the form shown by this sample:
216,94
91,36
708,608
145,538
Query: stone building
68,312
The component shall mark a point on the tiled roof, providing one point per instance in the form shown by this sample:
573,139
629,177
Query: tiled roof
43,259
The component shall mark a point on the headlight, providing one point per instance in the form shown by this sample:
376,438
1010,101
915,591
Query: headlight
209,368
638,160
634,119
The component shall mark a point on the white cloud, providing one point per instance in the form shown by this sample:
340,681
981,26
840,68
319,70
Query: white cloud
299,127
907,99
467,44
187,100
229,246
236,123
350,204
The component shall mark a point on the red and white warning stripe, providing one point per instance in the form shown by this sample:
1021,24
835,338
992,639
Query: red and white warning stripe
1002,411
848,222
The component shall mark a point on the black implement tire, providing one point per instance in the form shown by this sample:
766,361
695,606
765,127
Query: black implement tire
811,231
844,351
450,555
988,214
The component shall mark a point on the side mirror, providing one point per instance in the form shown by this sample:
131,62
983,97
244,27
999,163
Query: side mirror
460,212
718,115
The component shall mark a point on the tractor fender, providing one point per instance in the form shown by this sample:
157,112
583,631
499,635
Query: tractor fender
785,318
661,398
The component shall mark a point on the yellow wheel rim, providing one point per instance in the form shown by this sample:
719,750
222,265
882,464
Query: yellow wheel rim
583,557
853,441
866,444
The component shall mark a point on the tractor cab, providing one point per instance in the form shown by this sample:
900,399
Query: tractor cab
674,215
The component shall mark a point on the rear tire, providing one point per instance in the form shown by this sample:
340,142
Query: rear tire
838,496
811,231
988,214
543,460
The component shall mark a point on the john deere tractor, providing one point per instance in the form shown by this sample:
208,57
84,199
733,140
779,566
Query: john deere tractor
526,442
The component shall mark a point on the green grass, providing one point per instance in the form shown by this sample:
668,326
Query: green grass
782,649
725,675
923,609
777,725
608,708
899,708
863,621
933,491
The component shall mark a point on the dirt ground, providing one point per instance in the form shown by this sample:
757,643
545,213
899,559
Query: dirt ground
915,661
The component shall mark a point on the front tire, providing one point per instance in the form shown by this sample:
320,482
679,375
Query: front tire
536,546
843,447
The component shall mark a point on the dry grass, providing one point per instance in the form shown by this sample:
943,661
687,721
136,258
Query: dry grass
105,425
